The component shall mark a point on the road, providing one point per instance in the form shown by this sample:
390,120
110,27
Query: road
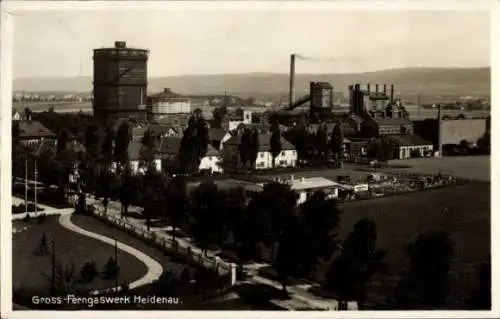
154,268
299,294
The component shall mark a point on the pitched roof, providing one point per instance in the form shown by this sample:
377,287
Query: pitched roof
264,142
171,145
407,140
134,150
31,128
323,85
392,121
168,94
217,134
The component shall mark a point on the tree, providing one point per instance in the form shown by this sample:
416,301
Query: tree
176,203
127,191
280,202
244,147
350,273
16,132
207,223
426,284
27,113
321,215
291,249
481,295
336,141
122,141
194,143
148,147
111,269
62,141
93,139
218,115
107,147
254,147
88,272
321,142
43,248
275,141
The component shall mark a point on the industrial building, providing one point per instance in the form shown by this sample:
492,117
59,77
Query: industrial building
120,82
167,103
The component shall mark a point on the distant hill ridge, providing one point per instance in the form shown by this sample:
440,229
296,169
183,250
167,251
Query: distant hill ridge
465,81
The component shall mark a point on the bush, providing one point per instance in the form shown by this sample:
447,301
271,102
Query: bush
41,218
27,218
88,272
111,269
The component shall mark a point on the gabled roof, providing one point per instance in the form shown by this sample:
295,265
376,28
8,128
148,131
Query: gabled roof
264,142
34,129
323,85
171,145
392,121
217,134
168,94
407,140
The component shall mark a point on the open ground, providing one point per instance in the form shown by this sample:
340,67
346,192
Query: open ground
29,271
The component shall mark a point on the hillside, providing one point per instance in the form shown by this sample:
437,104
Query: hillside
432,81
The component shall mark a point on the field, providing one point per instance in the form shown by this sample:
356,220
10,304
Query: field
28,269
401,218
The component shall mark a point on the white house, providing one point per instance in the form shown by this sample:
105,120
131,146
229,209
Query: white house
136,159
169,152
407,146
286,158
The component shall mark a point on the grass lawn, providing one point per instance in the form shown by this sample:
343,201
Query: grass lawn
28,269
401,218
91,223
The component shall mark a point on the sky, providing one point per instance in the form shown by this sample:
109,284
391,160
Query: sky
60,43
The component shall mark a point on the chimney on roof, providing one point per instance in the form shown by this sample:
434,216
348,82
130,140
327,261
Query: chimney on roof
120,44
392,92
376,88
385,88
368,87
302,179
167,90
292,178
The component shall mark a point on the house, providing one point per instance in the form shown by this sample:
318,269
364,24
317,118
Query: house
407,146
356,149
231,122
216,136
17,116
136,159
169,154
33,132
166,103
378,126
305,187
287,157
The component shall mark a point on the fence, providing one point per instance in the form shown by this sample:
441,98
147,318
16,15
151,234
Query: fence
160,241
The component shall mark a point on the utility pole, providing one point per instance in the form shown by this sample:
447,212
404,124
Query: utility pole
26,182
53,260
116,264
440,145
35,187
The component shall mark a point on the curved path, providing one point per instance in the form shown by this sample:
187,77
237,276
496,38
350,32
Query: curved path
154,268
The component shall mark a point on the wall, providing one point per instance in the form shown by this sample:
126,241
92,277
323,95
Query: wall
288,158
454,131
160,108
210,163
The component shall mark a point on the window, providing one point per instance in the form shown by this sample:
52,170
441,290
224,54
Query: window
282,153
261,155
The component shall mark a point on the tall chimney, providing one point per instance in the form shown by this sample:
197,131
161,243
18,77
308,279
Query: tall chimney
440,144
385,88
376,88
292,80
368,87
392,92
